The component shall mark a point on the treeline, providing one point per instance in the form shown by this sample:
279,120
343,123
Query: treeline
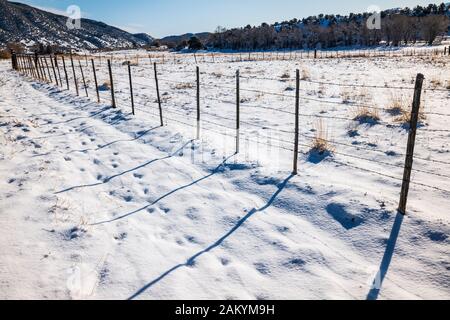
402,26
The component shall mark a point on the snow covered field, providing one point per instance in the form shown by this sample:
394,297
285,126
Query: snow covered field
96,203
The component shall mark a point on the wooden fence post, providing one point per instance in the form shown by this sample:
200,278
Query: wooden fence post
411,144
95,80
111,80
158,95
36,63
43,69
315,54
65,72
131,88
75,80
54,71
84,80
26,62
14,60
22,65
297,111
57,68
198,102
238,115
48,69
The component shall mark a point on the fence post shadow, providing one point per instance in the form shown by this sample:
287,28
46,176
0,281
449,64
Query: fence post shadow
387,258
191,261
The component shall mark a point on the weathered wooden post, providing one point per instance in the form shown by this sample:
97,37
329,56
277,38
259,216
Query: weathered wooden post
43,69
297,111
54,71
75,80
65,73
95,80
14,60
36,63
84,80
158,95
131,88
198,102
111,80
411,144
238,116
57,68
48,69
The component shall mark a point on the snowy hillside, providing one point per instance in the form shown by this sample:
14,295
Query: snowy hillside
29,25
97,203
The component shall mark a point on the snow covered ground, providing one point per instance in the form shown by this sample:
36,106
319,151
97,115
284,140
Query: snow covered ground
96,203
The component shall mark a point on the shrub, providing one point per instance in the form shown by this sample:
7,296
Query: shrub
5,54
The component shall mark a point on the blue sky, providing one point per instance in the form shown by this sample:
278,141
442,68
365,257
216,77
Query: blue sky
167,17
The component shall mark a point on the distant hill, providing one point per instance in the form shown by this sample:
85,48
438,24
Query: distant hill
203,36
29,25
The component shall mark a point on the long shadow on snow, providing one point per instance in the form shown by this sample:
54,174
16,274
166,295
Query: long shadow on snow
190,262
213,172
107,180
387,258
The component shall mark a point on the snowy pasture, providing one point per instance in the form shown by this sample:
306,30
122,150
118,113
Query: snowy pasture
97,203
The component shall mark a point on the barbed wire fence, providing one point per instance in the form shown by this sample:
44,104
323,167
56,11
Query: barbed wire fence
53,69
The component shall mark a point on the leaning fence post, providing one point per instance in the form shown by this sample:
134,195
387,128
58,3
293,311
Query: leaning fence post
74,76
158,95
113,98
95,80
65,72
23,65
57,68
411,144
37,66
43,69
131,87
238,116
54,71
32,66
198,102
84,80
48,69
297,111
26,65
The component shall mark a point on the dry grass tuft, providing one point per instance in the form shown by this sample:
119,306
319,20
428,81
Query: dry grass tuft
285,76
184,86
436,83
217,74
397,105
368,115
320,144
346,95
106,86
305,74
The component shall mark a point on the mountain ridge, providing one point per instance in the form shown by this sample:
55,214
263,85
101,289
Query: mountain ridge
28,25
